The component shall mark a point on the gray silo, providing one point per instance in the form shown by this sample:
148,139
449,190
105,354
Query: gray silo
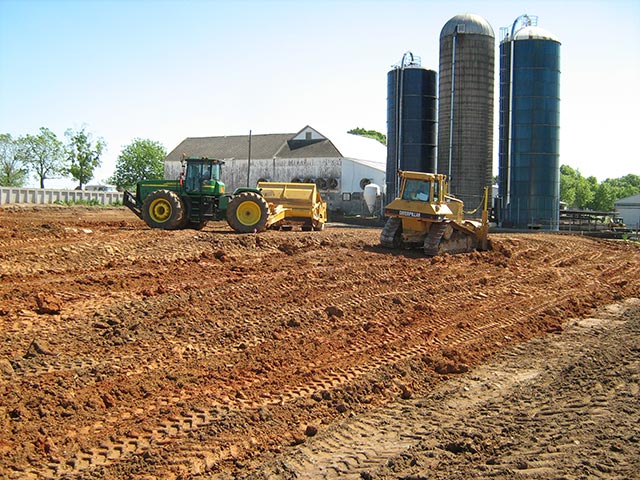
529,133
411,120
465,119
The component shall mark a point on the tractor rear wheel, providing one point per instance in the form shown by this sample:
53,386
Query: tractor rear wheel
163,209
248,212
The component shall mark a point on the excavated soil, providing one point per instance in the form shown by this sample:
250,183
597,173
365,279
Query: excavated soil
127,352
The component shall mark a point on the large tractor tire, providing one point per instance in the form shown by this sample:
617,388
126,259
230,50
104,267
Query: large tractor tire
248,212
163,209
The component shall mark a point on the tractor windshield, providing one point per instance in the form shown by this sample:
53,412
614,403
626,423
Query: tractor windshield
201,173
417,190
215,171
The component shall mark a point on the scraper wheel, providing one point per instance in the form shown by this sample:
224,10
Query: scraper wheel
248,212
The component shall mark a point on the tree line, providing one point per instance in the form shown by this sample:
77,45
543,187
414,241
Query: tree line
586,193
362,132
44,156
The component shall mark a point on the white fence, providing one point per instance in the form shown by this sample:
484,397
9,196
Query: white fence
9,195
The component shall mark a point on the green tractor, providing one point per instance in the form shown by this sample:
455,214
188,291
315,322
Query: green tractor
195,198
198,196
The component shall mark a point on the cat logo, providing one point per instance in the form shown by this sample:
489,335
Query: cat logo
404,213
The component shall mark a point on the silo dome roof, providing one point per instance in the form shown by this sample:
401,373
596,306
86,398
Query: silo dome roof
534,33
472,24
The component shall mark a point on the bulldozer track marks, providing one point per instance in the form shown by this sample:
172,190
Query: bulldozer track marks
332,379
362,445
347,323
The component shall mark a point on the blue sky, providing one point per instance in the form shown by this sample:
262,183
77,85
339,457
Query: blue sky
167,70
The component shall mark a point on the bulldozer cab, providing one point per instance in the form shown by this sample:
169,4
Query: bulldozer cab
199,175
422,190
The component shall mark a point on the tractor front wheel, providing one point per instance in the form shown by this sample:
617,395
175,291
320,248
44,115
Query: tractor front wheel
248,212
163,209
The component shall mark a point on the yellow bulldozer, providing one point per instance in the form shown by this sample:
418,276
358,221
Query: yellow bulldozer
425,216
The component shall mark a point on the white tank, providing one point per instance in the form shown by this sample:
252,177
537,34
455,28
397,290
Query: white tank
371,193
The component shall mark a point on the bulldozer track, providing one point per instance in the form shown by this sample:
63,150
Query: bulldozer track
388,234
432,241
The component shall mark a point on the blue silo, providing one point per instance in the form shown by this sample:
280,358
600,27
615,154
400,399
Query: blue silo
529,134
411,120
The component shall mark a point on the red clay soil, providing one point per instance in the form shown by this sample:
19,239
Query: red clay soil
127,352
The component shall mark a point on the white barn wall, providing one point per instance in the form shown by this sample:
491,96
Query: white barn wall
629,210
172,170
347,171
353,172
234,172
337,166
286,170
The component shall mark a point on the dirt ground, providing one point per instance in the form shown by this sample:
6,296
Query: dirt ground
127,352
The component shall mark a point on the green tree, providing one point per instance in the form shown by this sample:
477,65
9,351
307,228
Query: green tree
43,154
613,189
626,186
586,193
12,171
83,155
142,159
568,181
604,197
369,134
576,190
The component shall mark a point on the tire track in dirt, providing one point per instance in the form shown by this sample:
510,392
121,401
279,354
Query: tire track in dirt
370,445
281,287
253,310
328,380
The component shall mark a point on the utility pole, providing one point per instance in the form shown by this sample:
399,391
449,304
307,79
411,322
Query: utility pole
249,160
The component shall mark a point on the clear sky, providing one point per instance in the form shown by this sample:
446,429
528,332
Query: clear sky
168,69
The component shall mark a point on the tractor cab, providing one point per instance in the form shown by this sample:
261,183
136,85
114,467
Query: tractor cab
201,176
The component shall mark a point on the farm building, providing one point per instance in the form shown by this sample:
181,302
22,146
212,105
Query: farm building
629,209
341,167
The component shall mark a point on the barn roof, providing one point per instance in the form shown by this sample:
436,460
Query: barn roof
632,201
272,145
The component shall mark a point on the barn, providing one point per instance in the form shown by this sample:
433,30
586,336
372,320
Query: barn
340,165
